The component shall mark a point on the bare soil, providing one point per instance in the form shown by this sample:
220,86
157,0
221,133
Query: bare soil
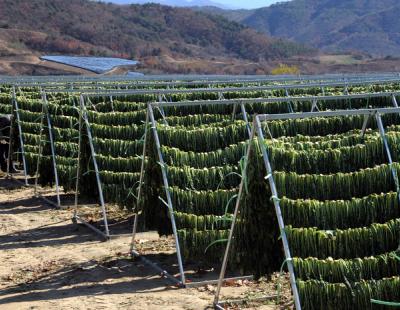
47,262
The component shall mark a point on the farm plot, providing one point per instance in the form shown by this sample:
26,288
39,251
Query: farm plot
339,198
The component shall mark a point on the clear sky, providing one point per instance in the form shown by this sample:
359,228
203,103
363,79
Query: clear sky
248,4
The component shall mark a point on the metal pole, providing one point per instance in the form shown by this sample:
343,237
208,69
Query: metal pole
314,105
365,124
235,215
394,101
139,194
289,102
234,112
388,152
96,168
40,152
78,164
167,192
302,115
161,109
21,140
161,271
92,227
281,223
10,149
346,90
245,118
53,152
112,103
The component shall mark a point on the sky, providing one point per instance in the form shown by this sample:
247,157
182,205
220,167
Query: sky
248,4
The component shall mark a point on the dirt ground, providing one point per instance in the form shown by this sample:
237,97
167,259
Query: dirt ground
47,262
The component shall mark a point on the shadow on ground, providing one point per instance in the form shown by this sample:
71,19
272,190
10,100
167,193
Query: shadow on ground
10,184
55,234
118,276
117,226
24,205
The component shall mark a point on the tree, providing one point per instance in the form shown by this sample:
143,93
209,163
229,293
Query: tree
285,69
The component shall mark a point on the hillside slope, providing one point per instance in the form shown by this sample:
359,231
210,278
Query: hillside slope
84,27
370,26
179,3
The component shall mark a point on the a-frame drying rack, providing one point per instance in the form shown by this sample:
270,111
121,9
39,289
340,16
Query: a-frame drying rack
152,123
258,131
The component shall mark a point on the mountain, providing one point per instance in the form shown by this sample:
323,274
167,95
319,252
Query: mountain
177,3
370,26
237,15
83,27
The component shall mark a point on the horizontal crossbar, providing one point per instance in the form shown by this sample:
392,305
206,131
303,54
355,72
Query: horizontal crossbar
270,117
180,77
273,100
105,92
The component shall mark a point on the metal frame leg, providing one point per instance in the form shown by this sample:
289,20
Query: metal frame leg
168,194
21,140
53,152
245,118
346,89
161,109
78,168
10,148
281,223
314,105
142,172
112,103
289,103
394,101
235,215
133,252
388,152
365,124
96,168
40,153
234,112
76,218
